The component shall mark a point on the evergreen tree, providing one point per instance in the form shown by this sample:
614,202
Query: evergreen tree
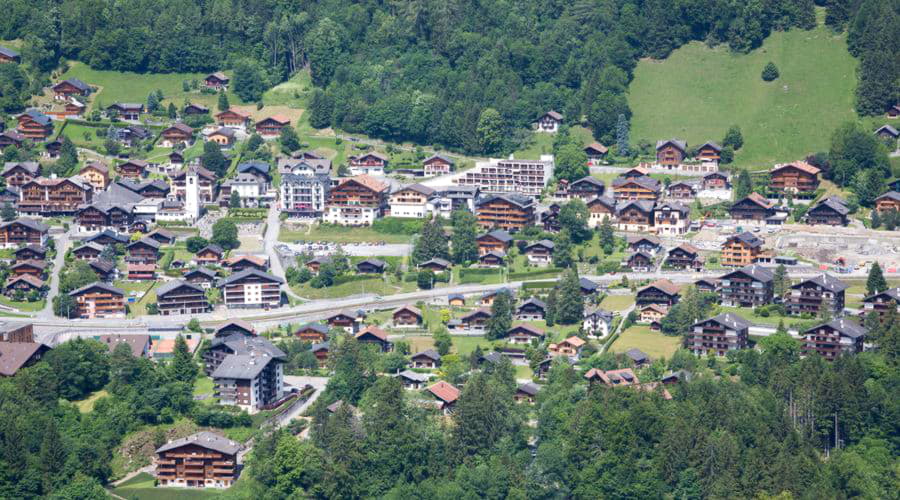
607,236
868,185
562,249
289,140
622,148
172,111
743,186
569,307
770,72
225,234
183,368
8,213
781,281
53,456
213,159
501,315
550,310
574,216
571,162
254,142
483,416
234,201
490,131
875,283
876,219
432,243
223,104
465,230
152,102
320,109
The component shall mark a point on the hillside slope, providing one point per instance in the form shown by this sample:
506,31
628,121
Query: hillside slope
698,92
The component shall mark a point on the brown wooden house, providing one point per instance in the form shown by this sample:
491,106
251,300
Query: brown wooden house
887,202
636,188
715,180
741,249
810,295
31,252
134,169
312,332
210,254
833,339
216,81
437,165
34,268
88,251
143,251
202,460
71,87
35,125
178,133
407,317
600,208
709,151
662,292
635,215
271,126
181,297
685,256
19,173
349,321
749,286
797,177
719,334
23,232
509,212
497,240
881,302
232,118
831,211
754,207
670,153
98,300
8,55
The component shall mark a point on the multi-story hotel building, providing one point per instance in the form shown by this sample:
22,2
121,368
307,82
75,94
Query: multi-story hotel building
720,334
830,340
527,177
202,460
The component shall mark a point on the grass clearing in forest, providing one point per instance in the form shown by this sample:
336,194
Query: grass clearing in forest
654,344
698,92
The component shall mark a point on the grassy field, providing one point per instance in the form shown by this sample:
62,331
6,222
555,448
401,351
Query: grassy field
375,285
141,487
617,302
23,306
341,235
747,313
541,143
139,307
698,92
654,344
86,405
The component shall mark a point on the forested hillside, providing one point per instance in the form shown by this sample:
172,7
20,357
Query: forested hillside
460,73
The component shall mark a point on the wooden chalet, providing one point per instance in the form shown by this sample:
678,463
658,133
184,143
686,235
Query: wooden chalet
23,232
754,207
707,285
831,211
200,276
527,393
681,190
670,153
833,339
709,151
371,266
70,87
134,168
210,254
437,165
201,460
375,336
437,265
11,138
533,309
96,175
216,81
644,243
428,359
349,321
128,111
585,188
224,137
475,320
750,286
635,215
108,237
797,177
445,394
493,258
356,201
684,256
880,303
509,212
106,270
456,300
570,347
715,180
242,262
652,313
98,300
30,252
407,317
35,125
143,251
139,271
88,251
639,262
600,209
524,334
34,268
370,162
178,133
549,122
18,173
195,109
661,292
539,253
887,202
636,188
271,126
741,249
23,283
595,152
497,240
312,332
719,334
181,297
232,118
811,295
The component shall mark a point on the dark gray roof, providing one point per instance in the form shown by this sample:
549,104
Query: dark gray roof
544,243
428,353
587,284
893,195
250,345
8,52
373,262
94,246
437,260
204,439
147,241
102,286
645,182
530,388
710,144
319,346
515,199
728,320
29,223
32,167
174,284
39,117
534,301
889,129
637,355
845,327
419,188
645,206
414,376
825,281
748,238
492,357
755,271
116,195
121,238
201,270
833,203
679,144
673,206
605,200
440,157
78,84
893,293
589,180
259,166
499,235
103,266
641,253
314,326
250,271
213,247
14,355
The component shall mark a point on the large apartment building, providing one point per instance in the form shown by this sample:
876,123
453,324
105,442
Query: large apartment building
46,196
719,334
809,295
832,339
201,460
356,201
251,288
527,177
749,286
508,212
23,232
247,371
741,249
304,195
99,300
181,297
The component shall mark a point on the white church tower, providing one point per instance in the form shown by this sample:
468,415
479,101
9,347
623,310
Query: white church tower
192,195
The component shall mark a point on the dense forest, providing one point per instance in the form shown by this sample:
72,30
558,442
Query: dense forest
457,73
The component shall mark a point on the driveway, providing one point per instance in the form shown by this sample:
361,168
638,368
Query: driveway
318,383
62,245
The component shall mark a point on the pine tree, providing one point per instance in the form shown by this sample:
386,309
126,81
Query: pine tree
622,136
173,112
562,250
432,243
152,102
570,301
183,368
770,72
550,307
744,185
824,313
876,283
501,316
607,236
8,213
235,200
223,104
876,219
465,230
780,281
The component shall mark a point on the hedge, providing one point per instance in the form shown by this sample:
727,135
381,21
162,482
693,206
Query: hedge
397,225
246,213
550,271
532,285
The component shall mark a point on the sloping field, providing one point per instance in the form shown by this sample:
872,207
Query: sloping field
698,92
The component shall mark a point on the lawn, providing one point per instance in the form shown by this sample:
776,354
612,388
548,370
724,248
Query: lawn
541,143
294,93
139,307
374,285
339,234
84,136
203,385
86,405
141,487
773,320
698,92
117,86
23,306
654,344
617,302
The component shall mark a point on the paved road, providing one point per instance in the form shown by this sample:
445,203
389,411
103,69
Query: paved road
62,245
273,226
318,383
